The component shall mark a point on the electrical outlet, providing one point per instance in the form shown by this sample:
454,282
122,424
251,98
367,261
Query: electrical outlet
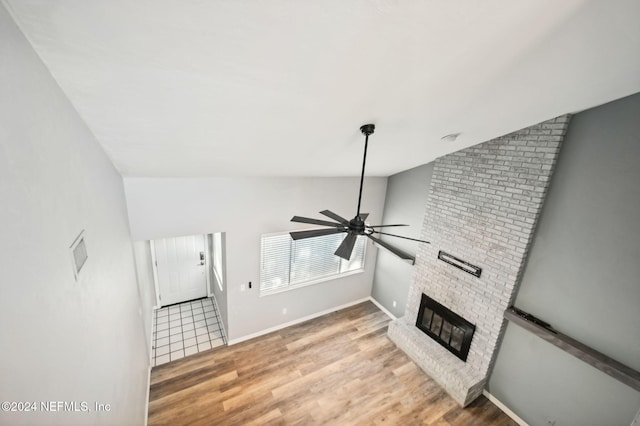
394,303
284,311
242,287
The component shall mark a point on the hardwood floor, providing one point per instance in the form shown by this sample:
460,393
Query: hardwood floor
339,369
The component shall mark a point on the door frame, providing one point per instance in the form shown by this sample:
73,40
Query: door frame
154,264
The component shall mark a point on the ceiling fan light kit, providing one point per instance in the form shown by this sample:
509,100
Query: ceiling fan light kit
356,226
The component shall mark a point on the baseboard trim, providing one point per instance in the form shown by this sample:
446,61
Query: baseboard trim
294,322
151,343
382,308
504,408
146,406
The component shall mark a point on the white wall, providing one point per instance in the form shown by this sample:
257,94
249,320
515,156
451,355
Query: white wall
219,290
245,208
62,340
146,287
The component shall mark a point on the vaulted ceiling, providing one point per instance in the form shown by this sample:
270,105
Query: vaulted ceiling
280,88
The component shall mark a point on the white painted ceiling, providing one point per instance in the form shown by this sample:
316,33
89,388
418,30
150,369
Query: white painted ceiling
281,87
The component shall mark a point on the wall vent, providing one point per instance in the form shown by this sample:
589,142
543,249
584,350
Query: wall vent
79,255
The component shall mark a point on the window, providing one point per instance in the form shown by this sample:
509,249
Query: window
285,263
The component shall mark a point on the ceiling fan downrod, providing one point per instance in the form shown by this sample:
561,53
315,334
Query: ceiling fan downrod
366,129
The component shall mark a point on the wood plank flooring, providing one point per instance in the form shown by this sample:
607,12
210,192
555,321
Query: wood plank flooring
339,369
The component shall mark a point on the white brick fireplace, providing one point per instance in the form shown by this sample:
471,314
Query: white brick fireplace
484,203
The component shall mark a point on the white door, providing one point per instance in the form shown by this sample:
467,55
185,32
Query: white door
181,268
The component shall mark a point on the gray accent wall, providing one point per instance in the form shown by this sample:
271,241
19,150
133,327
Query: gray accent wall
405,202
582,277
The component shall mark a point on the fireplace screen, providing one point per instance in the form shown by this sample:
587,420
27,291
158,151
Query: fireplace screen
447,328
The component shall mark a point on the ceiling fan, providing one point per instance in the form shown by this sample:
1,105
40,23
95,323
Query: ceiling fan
355,226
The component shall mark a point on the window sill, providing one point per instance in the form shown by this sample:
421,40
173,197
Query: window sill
309,283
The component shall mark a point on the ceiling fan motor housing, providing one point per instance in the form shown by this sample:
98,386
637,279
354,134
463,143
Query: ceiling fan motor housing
357,225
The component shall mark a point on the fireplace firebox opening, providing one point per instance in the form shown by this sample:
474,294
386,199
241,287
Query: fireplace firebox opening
446,327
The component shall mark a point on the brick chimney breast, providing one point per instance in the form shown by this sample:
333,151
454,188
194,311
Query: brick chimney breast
484,203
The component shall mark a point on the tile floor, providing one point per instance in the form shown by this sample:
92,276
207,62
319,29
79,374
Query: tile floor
185,329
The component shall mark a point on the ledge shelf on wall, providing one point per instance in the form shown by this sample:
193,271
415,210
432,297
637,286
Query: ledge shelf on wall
610,366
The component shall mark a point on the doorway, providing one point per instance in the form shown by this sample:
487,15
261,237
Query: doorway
191,299
181,268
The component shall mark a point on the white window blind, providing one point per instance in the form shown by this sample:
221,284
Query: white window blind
285,263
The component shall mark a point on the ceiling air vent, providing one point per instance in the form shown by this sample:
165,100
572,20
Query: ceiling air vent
78,254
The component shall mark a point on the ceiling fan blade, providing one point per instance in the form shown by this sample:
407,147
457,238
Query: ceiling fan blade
299,235
334,216
400,236
363,216
393,250
384,226
346,247
314,221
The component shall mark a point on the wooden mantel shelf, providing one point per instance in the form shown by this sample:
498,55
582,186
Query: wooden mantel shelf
610,366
